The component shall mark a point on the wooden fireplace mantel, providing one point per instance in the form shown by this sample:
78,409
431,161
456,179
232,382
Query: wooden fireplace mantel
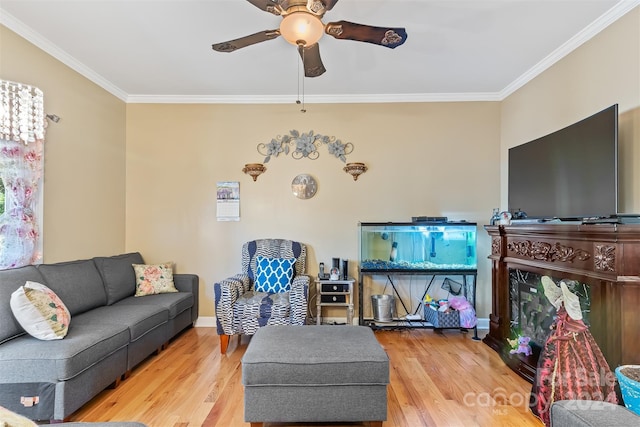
604,256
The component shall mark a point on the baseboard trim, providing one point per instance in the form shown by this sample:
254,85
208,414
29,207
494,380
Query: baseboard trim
205,322
483,323
210,322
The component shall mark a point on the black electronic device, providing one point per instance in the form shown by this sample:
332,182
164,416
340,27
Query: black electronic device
600,220
428,219
627,218
613,219
568,174
321,274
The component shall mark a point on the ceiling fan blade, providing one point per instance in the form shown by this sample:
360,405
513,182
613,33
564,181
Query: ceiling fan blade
310,55
271,6
383,36
236,44
328,4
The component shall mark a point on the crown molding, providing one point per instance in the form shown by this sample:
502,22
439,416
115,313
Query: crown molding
313,99
593,29
43,43
615,13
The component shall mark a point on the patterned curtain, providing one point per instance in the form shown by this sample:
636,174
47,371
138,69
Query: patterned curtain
21,151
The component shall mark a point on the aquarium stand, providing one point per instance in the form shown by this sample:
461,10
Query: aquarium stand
469,291
395,290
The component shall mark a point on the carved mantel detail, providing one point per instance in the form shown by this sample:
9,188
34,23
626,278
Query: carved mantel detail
495,246
605,258
547,252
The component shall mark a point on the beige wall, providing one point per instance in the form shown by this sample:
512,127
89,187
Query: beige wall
156,193
424,159
602,72
84,175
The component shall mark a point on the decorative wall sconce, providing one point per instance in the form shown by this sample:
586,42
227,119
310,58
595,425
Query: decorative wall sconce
355,169
254,170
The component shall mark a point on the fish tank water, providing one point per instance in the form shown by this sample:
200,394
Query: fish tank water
418,247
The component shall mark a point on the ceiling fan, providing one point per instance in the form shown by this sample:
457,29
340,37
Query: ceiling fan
302,26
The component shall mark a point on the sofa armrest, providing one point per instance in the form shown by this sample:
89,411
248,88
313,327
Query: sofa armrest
298,298
591,413
189,283
226,293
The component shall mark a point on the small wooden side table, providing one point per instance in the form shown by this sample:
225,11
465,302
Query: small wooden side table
334,293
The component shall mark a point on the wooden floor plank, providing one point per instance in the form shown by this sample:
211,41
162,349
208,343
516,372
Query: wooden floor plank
436,380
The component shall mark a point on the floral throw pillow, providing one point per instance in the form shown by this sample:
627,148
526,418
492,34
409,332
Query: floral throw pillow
273,275
11,419
40,312
154,279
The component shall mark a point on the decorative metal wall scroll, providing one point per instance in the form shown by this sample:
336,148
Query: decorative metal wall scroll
304,145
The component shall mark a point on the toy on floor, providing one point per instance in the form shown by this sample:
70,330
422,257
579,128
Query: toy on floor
523,347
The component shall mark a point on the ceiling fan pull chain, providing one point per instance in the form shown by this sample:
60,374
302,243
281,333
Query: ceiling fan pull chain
303,109
301,50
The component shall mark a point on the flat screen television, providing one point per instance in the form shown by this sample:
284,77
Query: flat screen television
569,174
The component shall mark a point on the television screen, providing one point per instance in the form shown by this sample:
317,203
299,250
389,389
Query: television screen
568,174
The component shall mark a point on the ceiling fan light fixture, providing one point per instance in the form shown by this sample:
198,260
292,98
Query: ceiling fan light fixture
301,28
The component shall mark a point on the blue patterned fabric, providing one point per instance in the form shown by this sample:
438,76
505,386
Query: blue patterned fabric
273,275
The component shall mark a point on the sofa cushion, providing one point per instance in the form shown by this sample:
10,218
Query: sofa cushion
40,311
139,320
11,419
591,413
273,275
25,359
262,305
10,280
77,283
117,275
175,303
153,279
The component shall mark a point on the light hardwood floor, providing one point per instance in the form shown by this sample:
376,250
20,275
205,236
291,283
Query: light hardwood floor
436,380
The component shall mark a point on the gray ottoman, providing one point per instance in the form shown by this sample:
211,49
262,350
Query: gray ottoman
315,374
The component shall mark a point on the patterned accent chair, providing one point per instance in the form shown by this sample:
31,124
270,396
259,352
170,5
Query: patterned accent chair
242,310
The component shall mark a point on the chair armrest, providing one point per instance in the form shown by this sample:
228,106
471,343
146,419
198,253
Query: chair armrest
298,298
226,293
189,283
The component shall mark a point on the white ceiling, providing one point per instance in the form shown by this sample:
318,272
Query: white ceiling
160,51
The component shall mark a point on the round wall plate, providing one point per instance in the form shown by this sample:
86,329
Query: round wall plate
304,186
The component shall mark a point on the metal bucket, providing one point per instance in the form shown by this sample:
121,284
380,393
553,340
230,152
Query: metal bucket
383,307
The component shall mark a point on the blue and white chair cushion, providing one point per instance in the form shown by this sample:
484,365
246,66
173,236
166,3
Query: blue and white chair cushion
273,275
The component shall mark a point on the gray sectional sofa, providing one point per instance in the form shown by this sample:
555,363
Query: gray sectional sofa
110,332
585,413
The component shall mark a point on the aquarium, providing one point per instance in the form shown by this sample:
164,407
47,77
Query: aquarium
418,247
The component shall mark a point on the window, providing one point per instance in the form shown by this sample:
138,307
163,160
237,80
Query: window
21,150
